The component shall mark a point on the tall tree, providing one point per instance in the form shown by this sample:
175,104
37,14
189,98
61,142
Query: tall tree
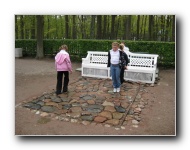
117,26
156,24
162,27
56,27
33,34
16,27
21,27
173,28
167,28
142,20
125,27
104,27
40,32
113,26
92,27
74,28
128,35
154,34
48,27
138,26
145,27
99,27
61,27
83,18
151,25
108,27
82,26
66,26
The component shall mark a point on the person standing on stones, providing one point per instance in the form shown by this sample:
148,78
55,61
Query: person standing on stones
124,62
63,66
114,64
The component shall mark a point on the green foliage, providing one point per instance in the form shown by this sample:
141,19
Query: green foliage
55,28
78,48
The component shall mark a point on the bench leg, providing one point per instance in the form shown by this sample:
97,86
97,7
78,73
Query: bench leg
82,71
153,78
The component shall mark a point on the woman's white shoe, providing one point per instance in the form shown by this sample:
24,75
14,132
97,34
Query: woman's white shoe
118,90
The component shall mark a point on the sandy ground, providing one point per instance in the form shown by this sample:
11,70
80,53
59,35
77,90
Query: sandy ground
33,77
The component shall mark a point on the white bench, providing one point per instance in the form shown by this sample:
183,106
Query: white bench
142,67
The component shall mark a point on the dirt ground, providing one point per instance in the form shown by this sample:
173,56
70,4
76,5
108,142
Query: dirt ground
34,77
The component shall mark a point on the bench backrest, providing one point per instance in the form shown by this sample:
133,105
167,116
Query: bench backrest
142,60
98,57
138,60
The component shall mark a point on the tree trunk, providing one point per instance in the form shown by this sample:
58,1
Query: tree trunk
138,26
173,28
129,27
124,27
56,27
21,27
113,27
104,28
167,28
144,35
66,27
156,34
128,30
33,34
153,28
40,32
108,28
84,29
60,35
117,27
99,27
16,28
162,28
74,29
141,31
26,29
48,27
92,31
151,25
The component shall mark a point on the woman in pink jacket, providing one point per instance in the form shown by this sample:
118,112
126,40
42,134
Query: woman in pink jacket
63,66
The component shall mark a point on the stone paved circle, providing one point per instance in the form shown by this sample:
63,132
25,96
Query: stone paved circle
92,101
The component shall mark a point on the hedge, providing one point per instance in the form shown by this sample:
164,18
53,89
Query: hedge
78,48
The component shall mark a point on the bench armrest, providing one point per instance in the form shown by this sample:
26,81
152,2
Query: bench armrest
155,62
85,60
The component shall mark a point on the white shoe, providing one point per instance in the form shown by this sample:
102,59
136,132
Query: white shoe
118,90
114,90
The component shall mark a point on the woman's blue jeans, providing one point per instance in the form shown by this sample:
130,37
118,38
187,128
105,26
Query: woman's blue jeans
115,73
